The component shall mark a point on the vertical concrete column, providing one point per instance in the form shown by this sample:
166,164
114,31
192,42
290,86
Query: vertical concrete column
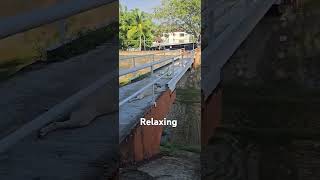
211,113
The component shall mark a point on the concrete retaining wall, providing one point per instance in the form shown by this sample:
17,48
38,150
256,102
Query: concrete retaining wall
144,141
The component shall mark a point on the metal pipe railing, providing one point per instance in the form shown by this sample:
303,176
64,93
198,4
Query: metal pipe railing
133,58
151,65
141,90
147,65
172,83
139,56
26,21
152,83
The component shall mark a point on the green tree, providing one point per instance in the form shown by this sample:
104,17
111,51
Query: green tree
180,14
140,27
123,26
136,27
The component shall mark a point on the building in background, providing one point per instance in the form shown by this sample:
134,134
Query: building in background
173,39
176,38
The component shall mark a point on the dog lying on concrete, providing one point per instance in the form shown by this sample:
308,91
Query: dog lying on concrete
103,101
148,92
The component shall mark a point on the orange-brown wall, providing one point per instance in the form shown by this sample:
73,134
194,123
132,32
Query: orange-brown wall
210,115
144,141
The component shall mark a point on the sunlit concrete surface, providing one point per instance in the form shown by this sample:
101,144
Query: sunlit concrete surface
131,112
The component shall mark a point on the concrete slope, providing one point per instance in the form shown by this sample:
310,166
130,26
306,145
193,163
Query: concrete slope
28,94
81,153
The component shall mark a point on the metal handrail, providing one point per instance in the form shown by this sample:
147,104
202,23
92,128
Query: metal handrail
152,83
151,65
172,83
147,65
145,55
137,56
141,90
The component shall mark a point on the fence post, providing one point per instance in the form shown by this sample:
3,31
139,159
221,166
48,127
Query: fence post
172,64
134,62
152,65
153,98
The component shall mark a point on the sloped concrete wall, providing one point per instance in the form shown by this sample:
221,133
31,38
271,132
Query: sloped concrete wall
144,141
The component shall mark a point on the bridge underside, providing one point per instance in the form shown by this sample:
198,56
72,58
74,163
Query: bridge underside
232,23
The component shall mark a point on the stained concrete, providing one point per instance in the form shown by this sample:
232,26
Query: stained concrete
79,153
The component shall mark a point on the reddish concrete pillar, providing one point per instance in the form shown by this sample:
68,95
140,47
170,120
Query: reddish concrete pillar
144,141
210,115
197,58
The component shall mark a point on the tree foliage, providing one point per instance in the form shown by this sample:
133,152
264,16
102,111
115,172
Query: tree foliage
180,14
135,29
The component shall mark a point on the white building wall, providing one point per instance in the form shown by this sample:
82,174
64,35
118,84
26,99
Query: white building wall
176,38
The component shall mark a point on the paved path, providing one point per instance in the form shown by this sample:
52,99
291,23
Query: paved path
29,94
82,153
179,165
66,154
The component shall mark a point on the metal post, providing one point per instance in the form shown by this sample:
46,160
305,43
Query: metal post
153,98
151,70
172,63
134,62
152,65
182,53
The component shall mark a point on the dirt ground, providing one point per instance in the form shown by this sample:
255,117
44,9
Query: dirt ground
180,165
